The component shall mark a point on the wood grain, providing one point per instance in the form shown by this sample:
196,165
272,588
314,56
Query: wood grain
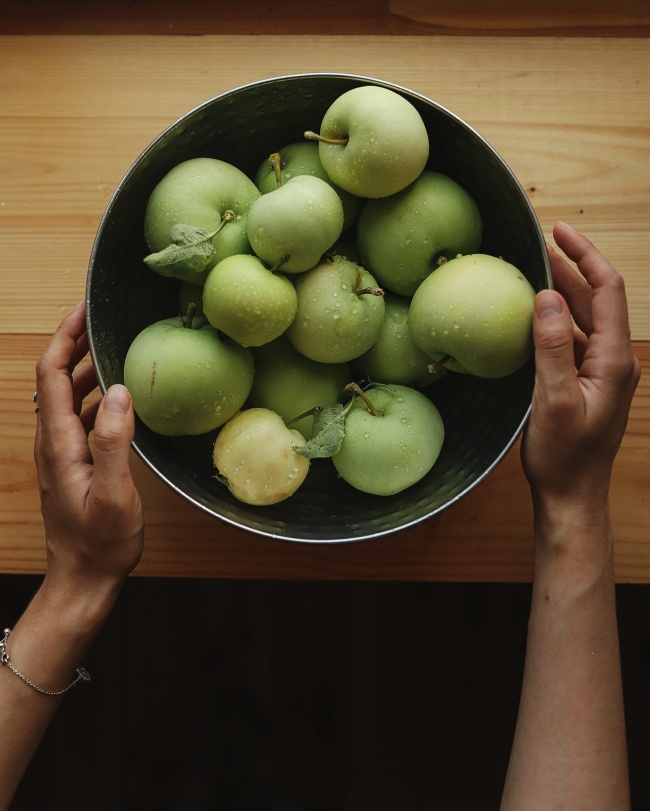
571,118
570,115
485,537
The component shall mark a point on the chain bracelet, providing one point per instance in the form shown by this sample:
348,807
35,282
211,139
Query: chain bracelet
82,673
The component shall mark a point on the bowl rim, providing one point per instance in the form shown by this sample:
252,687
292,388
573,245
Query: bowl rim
296,537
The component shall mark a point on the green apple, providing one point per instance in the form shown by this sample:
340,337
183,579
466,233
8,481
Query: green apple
395,357
255,455
302,158
402,238
185,378
478,310
292,226
248,302
200,193
340,311
291,384
372,141
393,436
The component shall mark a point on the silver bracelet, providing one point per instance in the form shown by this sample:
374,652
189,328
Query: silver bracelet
82,673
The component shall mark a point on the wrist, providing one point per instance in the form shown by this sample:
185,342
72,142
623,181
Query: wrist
50,640
573,538
82,604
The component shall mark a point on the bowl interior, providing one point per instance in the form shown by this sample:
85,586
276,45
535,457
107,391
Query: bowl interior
483,418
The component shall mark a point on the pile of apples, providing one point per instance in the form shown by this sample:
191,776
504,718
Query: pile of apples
318,299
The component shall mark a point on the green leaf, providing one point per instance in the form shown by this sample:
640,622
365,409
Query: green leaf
187,254
327,434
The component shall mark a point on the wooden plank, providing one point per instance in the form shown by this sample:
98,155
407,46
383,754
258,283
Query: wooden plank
76,113
523,17
485,537
628,18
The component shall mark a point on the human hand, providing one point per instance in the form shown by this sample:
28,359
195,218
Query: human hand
586,375
91,508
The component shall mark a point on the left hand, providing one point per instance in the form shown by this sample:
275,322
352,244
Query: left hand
91,509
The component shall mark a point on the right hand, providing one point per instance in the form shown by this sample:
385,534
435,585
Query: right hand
585,378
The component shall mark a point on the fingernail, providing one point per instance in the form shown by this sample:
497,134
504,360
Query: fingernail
117,399
566,225
548,303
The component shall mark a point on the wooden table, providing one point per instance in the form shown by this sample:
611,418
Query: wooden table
561,90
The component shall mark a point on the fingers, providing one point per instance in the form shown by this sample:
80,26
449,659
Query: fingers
573,287
54,368
84,382
57,425
607,299
553,333
81,350
114,429
88,415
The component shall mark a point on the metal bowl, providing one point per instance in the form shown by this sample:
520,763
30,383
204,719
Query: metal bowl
483,418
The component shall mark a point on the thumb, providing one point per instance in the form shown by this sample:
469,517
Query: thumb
114,428
553,335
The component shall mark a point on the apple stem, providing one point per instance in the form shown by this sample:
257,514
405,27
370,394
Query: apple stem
228,216
438,366
281,261
366,291
314,136
191,312
355,388
311,413
275,161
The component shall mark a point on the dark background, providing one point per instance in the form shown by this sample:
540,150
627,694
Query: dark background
305,696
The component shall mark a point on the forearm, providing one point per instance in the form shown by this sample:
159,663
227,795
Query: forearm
570,748
47,645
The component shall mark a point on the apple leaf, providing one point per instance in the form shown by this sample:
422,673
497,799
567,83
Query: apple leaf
327,434
188,253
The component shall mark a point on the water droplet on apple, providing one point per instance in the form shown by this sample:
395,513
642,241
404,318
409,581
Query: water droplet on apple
456,325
